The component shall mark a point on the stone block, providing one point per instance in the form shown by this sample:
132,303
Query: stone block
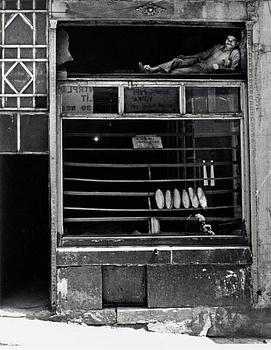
129,9
213,255
79,288
209,10
125,9
100,317
144,315
124,285
206,285
111,256
202,321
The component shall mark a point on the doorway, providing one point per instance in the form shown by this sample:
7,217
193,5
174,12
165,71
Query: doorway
24,231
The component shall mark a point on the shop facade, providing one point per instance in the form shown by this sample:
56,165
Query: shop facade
158,183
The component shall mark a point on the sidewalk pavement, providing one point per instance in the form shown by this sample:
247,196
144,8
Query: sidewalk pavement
18,332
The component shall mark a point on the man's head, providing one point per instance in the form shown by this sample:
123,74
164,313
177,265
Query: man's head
231,42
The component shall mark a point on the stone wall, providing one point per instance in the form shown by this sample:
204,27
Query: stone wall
93,279
142,9
260,128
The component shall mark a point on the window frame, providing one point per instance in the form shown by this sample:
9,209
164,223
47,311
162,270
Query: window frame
136,82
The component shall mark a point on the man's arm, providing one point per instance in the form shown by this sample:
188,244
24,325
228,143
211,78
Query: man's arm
200,55
205,54
232,64
235,58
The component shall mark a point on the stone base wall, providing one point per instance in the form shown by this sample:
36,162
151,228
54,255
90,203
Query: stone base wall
110,286
199,321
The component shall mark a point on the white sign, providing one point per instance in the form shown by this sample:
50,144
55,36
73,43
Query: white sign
147,141
77,99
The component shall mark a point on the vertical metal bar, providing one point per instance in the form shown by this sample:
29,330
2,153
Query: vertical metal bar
234,170
60,163
177,145
34,57
244,181
244,145
18,99
53,158
149,202
194,154
18,132
183,143
3,62
121,99
184,151
251,162
47,39
182,99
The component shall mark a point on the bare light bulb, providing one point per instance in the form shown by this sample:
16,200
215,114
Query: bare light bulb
96,138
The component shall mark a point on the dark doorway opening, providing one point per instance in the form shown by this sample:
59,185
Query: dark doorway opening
24,231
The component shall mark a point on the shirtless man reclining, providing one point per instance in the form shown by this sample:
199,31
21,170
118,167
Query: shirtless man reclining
220,58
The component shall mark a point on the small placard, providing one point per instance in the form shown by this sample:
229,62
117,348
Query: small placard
77,99
151,100
147,141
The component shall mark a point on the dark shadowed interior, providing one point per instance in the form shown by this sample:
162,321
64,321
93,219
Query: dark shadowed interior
25,235
117,49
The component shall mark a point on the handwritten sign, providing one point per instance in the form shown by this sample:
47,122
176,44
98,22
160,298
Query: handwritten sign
77,99
151,100
147,141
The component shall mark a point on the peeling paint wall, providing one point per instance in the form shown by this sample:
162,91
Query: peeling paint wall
260,124
139,9
79,289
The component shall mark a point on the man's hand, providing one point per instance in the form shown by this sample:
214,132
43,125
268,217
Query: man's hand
215,66
227,62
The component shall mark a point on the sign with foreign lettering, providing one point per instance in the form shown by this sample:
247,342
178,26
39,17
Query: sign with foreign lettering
147,141
77,99
151,100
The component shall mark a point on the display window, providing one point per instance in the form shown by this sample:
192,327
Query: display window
152,162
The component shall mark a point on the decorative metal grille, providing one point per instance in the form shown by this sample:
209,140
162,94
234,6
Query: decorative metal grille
24,60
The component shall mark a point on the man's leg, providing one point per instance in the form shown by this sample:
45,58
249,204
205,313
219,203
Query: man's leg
177,63
167,67
184,70
195,68
163,68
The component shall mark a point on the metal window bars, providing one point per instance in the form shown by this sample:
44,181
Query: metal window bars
109,187
24,60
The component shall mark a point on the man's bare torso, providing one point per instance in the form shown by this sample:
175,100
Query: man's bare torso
220,56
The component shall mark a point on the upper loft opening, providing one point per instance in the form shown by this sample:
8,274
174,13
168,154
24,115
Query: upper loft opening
118,49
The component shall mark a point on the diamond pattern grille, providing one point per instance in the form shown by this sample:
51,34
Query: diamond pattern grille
24,49
19,77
